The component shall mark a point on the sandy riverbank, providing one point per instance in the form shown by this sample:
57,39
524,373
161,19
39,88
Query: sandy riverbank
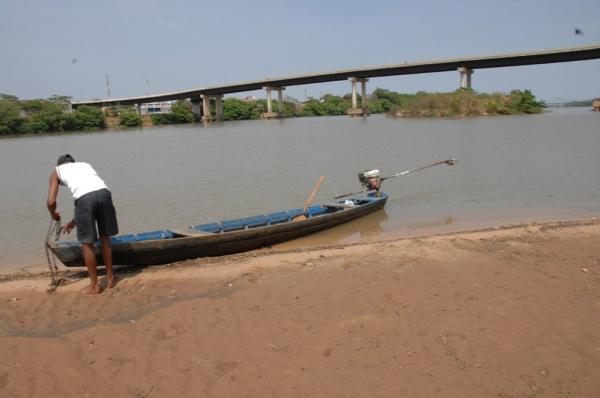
511,312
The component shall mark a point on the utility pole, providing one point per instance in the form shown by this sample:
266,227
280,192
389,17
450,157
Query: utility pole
107,85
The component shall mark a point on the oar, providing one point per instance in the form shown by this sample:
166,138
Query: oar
310,199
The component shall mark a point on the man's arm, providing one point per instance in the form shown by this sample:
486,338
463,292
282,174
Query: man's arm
52,193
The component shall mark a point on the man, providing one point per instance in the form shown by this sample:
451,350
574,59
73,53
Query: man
93,205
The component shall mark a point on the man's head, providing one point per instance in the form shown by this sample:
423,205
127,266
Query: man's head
66,158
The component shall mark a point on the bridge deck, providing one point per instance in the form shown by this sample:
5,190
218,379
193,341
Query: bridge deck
494,61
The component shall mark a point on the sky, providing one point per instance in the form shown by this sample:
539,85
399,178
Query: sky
68,47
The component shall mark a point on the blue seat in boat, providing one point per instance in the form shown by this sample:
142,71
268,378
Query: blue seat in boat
256,221
163,234
279,217
295,212
123,239
316,210
212,227
233,225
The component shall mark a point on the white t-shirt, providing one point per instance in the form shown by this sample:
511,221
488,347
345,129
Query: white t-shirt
80,178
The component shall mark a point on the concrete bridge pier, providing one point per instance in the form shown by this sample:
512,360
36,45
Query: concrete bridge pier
206,112
138,108
465,77
207,115
197,107
218,108
269,114
364,109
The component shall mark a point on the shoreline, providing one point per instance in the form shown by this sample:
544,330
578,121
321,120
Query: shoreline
65,272
495,312
119,128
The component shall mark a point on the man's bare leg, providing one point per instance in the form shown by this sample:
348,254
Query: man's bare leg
107,257
89,257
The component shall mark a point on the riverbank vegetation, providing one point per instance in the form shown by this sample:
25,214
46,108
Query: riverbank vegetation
181,112
46,116
52,114
461,103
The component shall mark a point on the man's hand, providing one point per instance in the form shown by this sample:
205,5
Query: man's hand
68,227
55,216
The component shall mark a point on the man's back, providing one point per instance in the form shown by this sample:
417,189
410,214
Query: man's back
80,178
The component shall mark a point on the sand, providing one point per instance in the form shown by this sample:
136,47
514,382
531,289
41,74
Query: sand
511,312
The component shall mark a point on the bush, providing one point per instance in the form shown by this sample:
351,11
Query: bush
172,118
313,107
524,102
181,112
381,105
10,115
85,118
45,116
236,109
328,105
466,102
129,117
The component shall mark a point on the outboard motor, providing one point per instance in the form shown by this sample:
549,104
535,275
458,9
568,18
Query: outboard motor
370,179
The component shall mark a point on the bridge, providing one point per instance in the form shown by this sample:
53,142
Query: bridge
201,98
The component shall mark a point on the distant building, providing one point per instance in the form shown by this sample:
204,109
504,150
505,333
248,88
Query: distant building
155,107
250,98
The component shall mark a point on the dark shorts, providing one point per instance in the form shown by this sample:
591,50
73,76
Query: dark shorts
95,208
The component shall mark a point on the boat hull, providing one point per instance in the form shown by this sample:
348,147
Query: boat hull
163,251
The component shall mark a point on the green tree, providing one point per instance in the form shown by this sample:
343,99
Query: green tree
313,107
129,117
8,97
10,115
181,112
335,105
44,116
525,102
61,100
381,105
236,109
393,97
85,118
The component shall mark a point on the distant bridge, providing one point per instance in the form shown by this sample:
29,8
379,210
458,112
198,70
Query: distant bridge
201,97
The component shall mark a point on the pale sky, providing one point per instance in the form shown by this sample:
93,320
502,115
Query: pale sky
68,47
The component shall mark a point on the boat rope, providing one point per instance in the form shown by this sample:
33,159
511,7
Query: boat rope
53,229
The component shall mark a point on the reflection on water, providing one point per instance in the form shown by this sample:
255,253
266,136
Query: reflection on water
510,169
364,229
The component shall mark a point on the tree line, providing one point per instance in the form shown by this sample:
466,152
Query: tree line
46,115
52,114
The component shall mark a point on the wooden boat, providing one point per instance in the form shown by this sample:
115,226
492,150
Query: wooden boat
226,237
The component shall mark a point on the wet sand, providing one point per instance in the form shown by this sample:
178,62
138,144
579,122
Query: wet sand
510,312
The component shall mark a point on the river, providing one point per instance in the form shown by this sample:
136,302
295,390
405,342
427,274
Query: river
511,169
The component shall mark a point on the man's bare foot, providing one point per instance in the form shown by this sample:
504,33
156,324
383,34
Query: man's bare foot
91,290
112,282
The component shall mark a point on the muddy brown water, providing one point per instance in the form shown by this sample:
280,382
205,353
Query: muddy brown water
511,169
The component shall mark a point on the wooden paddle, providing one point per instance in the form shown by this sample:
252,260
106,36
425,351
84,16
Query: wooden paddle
310,198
